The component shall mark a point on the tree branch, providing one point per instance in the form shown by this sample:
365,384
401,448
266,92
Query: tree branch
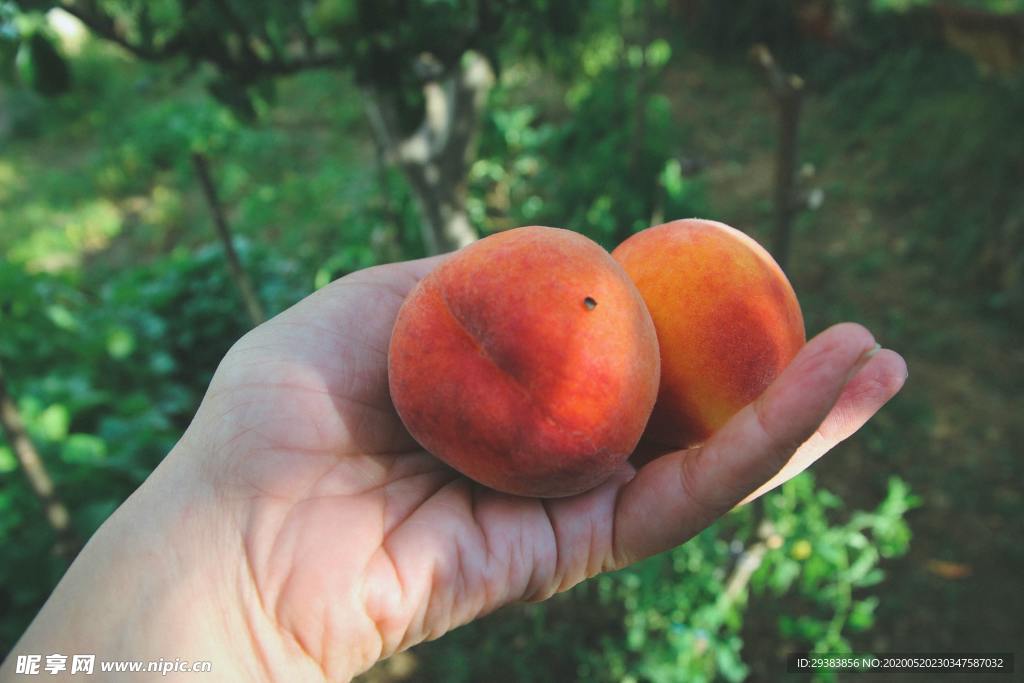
468,93
238,274
752,556
39,480
105,26
245,69
240,29
435,158
787,90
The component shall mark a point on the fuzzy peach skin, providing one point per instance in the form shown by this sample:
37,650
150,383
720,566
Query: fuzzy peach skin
527,361
728,322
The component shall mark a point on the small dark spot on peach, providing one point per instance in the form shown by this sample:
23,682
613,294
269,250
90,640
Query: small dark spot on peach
590,303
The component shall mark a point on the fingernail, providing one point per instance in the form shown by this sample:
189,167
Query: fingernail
863,360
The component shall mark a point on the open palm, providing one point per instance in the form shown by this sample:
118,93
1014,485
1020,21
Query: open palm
359,544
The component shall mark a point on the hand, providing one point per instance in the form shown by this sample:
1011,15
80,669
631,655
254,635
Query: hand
325,539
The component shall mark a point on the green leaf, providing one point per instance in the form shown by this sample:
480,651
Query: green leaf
658,53
862,615
322,278
810,628
829,500
84,449
786,571
872,578
52,424
730,664
8,463
862,565
816,569
120,342
333,15
61,317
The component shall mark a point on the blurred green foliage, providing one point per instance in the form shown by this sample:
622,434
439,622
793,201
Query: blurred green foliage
604,159
381,43
106,381
116,304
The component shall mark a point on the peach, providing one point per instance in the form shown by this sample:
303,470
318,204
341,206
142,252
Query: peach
527,361
727,318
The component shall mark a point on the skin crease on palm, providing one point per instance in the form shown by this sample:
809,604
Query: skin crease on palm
309,535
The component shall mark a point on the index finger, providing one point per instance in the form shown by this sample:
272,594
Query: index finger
674,497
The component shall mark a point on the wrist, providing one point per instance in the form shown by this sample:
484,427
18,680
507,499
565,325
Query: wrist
165,578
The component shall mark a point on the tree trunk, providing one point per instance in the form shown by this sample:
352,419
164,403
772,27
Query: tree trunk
442,204
435,159
220,221
787,90
786,202
39,479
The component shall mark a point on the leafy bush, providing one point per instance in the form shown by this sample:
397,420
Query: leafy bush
106,381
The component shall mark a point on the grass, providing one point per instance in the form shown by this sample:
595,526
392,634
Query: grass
103,176
951,434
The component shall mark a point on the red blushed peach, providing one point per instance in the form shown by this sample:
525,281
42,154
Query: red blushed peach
527,361
727,318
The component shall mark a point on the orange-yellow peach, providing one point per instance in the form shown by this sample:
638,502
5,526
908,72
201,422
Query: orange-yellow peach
527,361
727,318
